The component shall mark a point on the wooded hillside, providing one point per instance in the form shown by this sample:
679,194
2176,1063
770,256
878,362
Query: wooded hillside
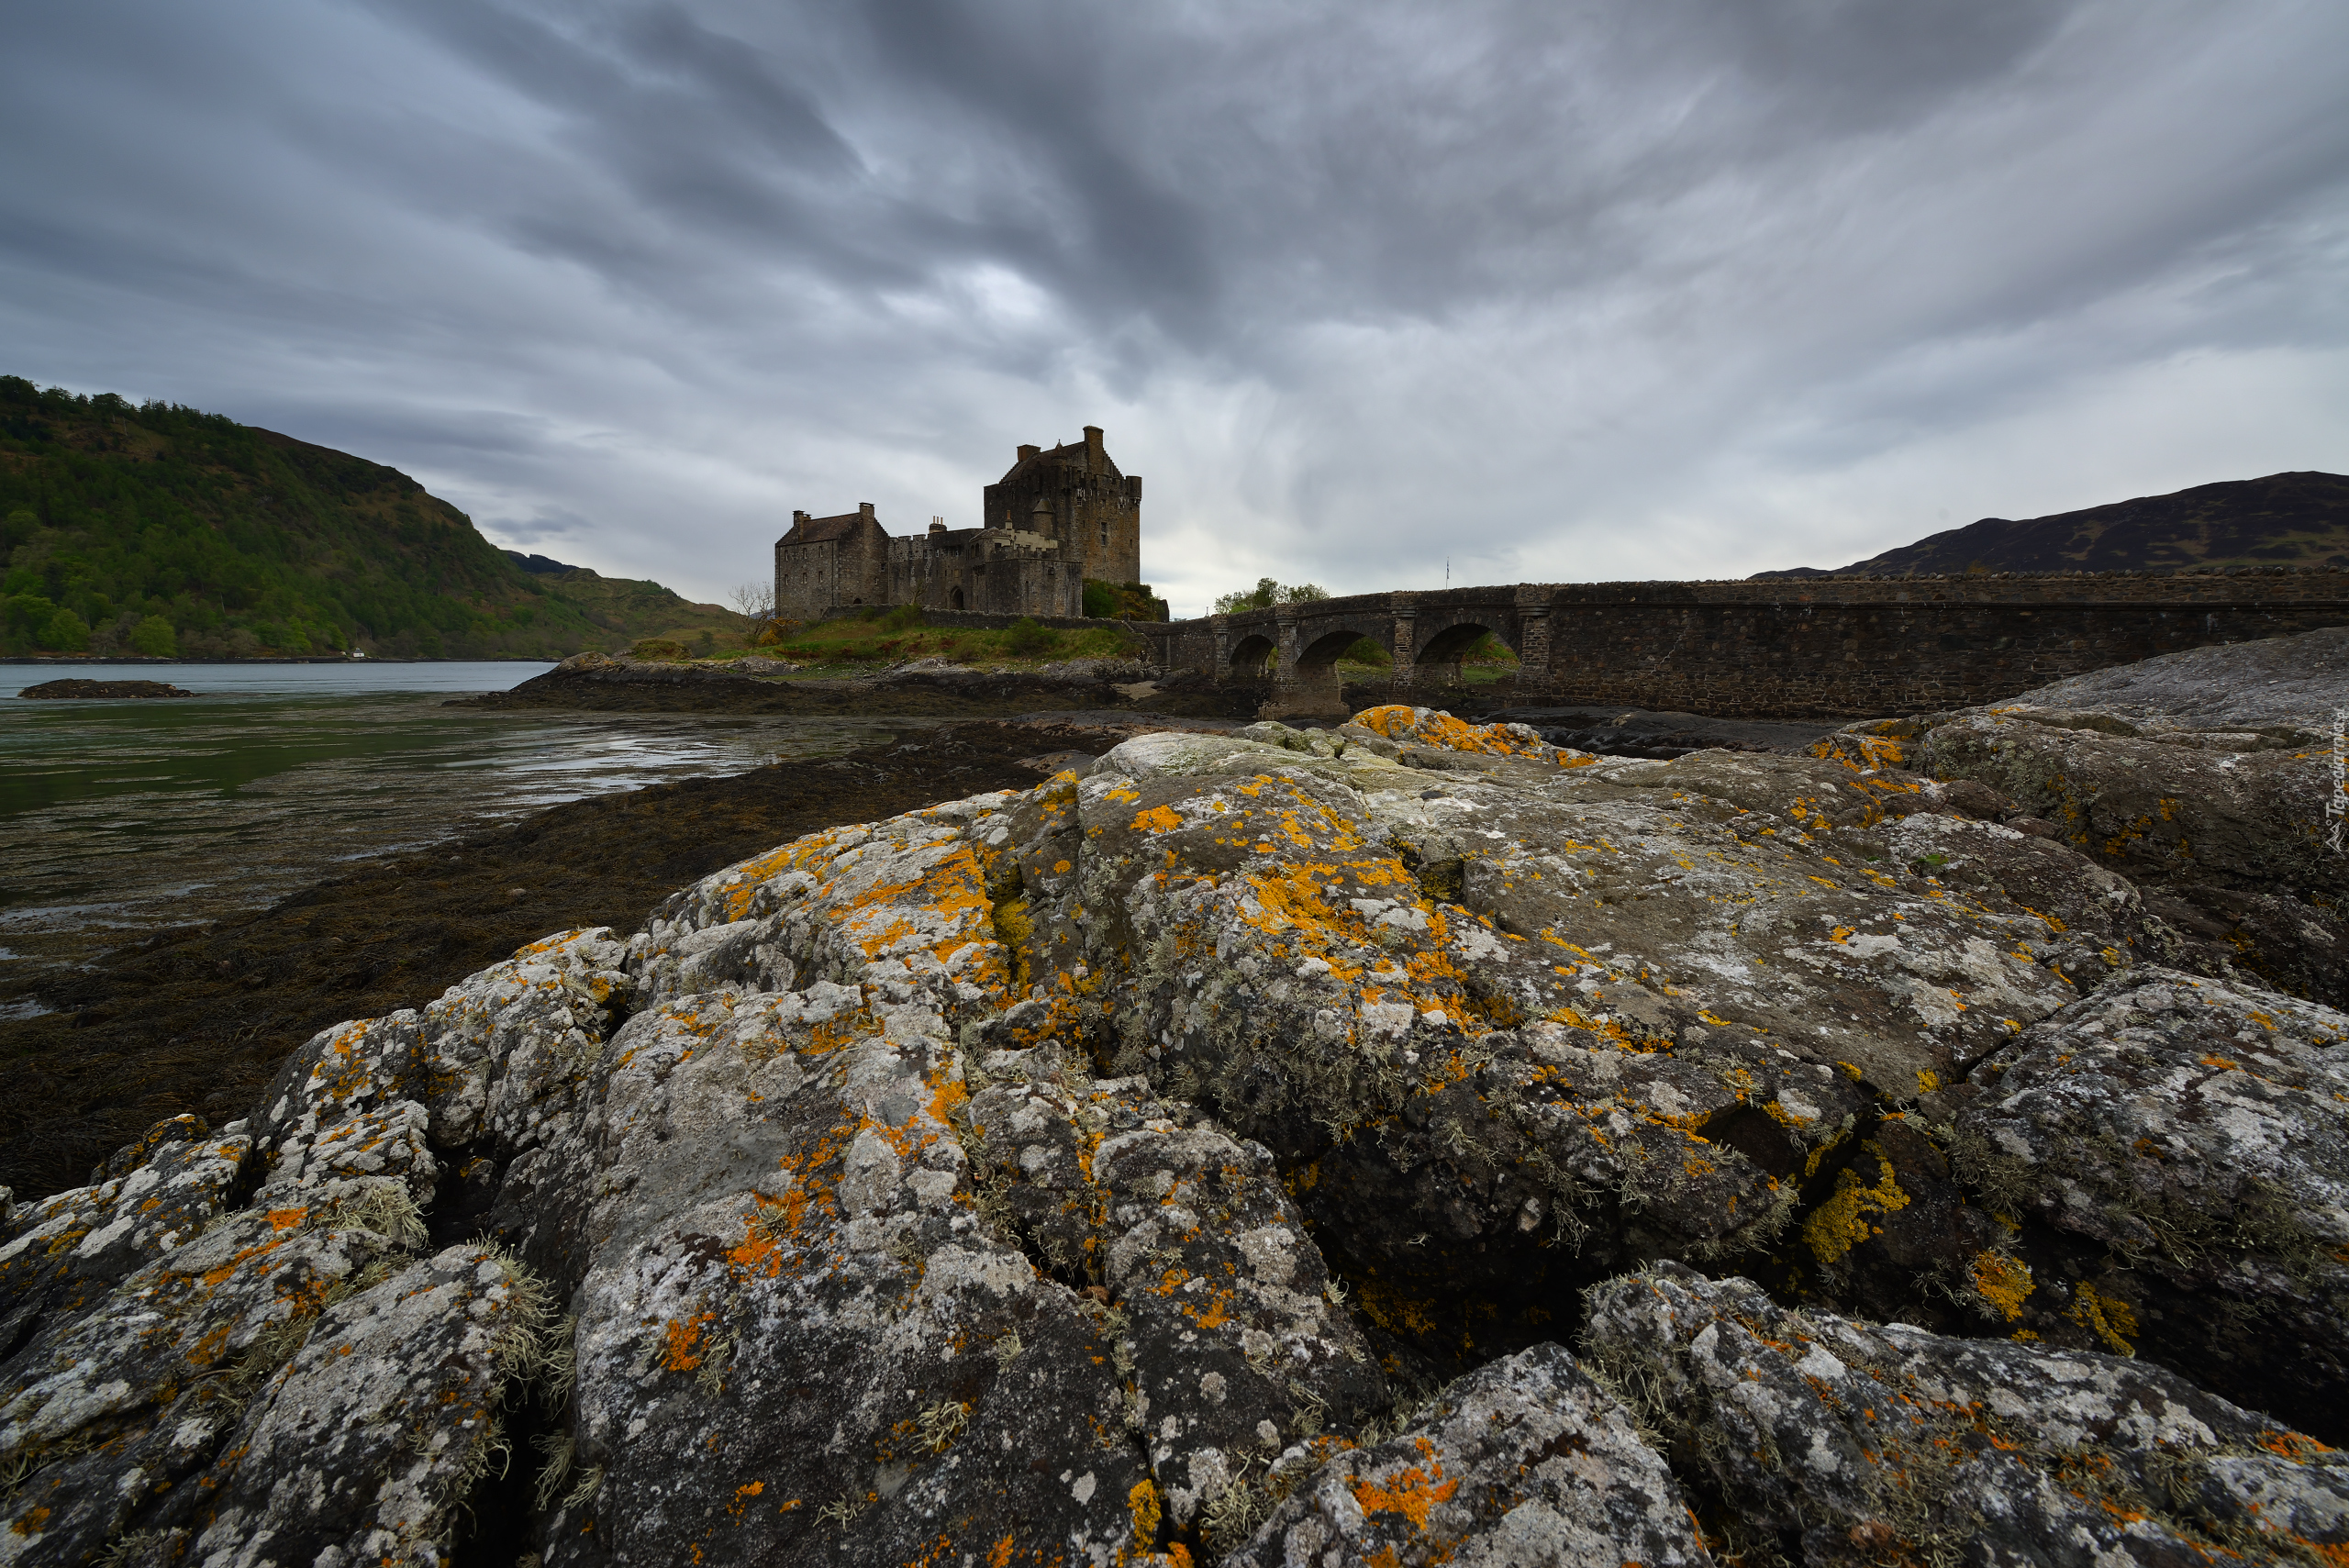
161,529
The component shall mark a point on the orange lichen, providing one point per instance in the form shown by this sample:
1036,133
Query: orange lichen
679,1339
2001,1281
1141,1503
1410,1493
2112,1318
1841,1222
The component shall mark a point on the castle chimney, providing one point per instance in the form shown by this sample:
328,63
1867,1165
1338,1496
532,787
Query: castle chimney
1093,454
864,508
799,516
938,525
1027,452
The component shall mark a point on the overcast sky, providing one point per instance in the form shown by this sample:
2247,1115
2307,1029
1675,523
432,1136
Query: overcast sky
1559,290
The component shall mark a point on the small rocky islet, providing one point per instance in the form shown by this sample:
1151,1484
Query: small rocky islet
1404,1144
79,688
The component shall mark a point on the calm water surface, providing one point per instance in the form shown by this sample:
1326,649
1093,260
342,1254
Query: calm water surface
118,818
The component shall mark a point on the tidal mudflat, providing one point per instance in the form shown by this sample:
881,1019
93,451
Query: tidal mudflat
119,818
314,857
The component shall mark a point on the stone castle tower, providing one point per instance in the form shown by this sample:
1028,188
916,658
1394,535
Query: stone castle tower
1074,493
1054,520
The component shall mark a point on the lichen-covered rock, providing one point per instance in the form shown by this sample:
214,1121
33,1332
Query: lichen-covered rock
120,1410
60,1255
1600,1013
1224,1317
1825,1439
796,1338
362,1447
1474,1215
2196,1133
1526,1462
1433,739
476,1063
1897,1234
2204,775
901,905
101,1413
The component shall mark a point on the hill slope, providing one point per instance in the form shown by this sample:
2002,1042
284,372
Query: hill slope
628,607
2285,519
161,529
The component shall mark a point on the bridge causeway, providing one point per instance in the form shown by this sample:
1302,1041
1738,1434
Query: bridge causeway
1847,647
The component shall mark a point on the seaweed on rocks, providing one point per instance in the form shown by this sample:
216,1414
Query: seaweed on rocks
922,688
195,1021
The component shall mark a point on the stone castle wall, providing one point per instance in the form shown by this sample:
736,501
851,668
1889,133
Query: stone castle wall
811,578
986,570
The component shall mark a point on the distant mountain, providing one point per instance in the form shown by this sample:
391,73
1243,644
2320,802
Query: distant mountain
163,529
2285,519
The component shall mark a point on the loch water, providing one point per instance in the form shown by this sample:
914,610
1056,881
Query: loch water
122,817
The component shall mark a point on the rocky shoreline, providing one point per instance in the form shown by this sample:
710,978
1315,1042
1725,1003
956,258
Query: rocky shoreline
1401,1143
923,689
1126,690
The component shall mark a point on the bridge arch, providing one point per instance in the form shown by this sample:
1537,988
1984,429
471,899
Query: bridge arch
1424,634
1252,656
1308,666
1325,643
1440,647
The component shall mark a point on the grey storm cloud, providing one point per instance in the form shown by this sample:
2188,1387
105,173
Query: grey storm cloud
1368,292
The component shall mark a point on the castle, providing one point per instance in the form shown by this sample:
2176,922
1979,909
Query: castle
1054,520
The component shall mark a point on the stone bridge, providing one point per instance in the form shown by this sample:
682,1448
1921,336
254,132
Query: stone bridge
1850,646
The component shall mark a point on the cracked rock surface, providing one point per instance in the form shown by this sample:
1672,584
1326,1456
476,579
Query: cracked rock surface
2196,1134
1523,1461
1211,1157
1829,1440
2204,776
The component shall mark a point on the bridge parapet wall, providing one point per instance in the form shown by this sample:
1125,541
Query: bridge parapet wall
1830,646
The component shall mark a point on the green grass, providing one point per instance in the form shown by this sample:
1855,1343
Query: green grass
859,647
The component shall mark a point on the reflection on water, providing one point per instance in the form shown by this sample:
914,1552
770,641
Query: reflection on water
118,817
